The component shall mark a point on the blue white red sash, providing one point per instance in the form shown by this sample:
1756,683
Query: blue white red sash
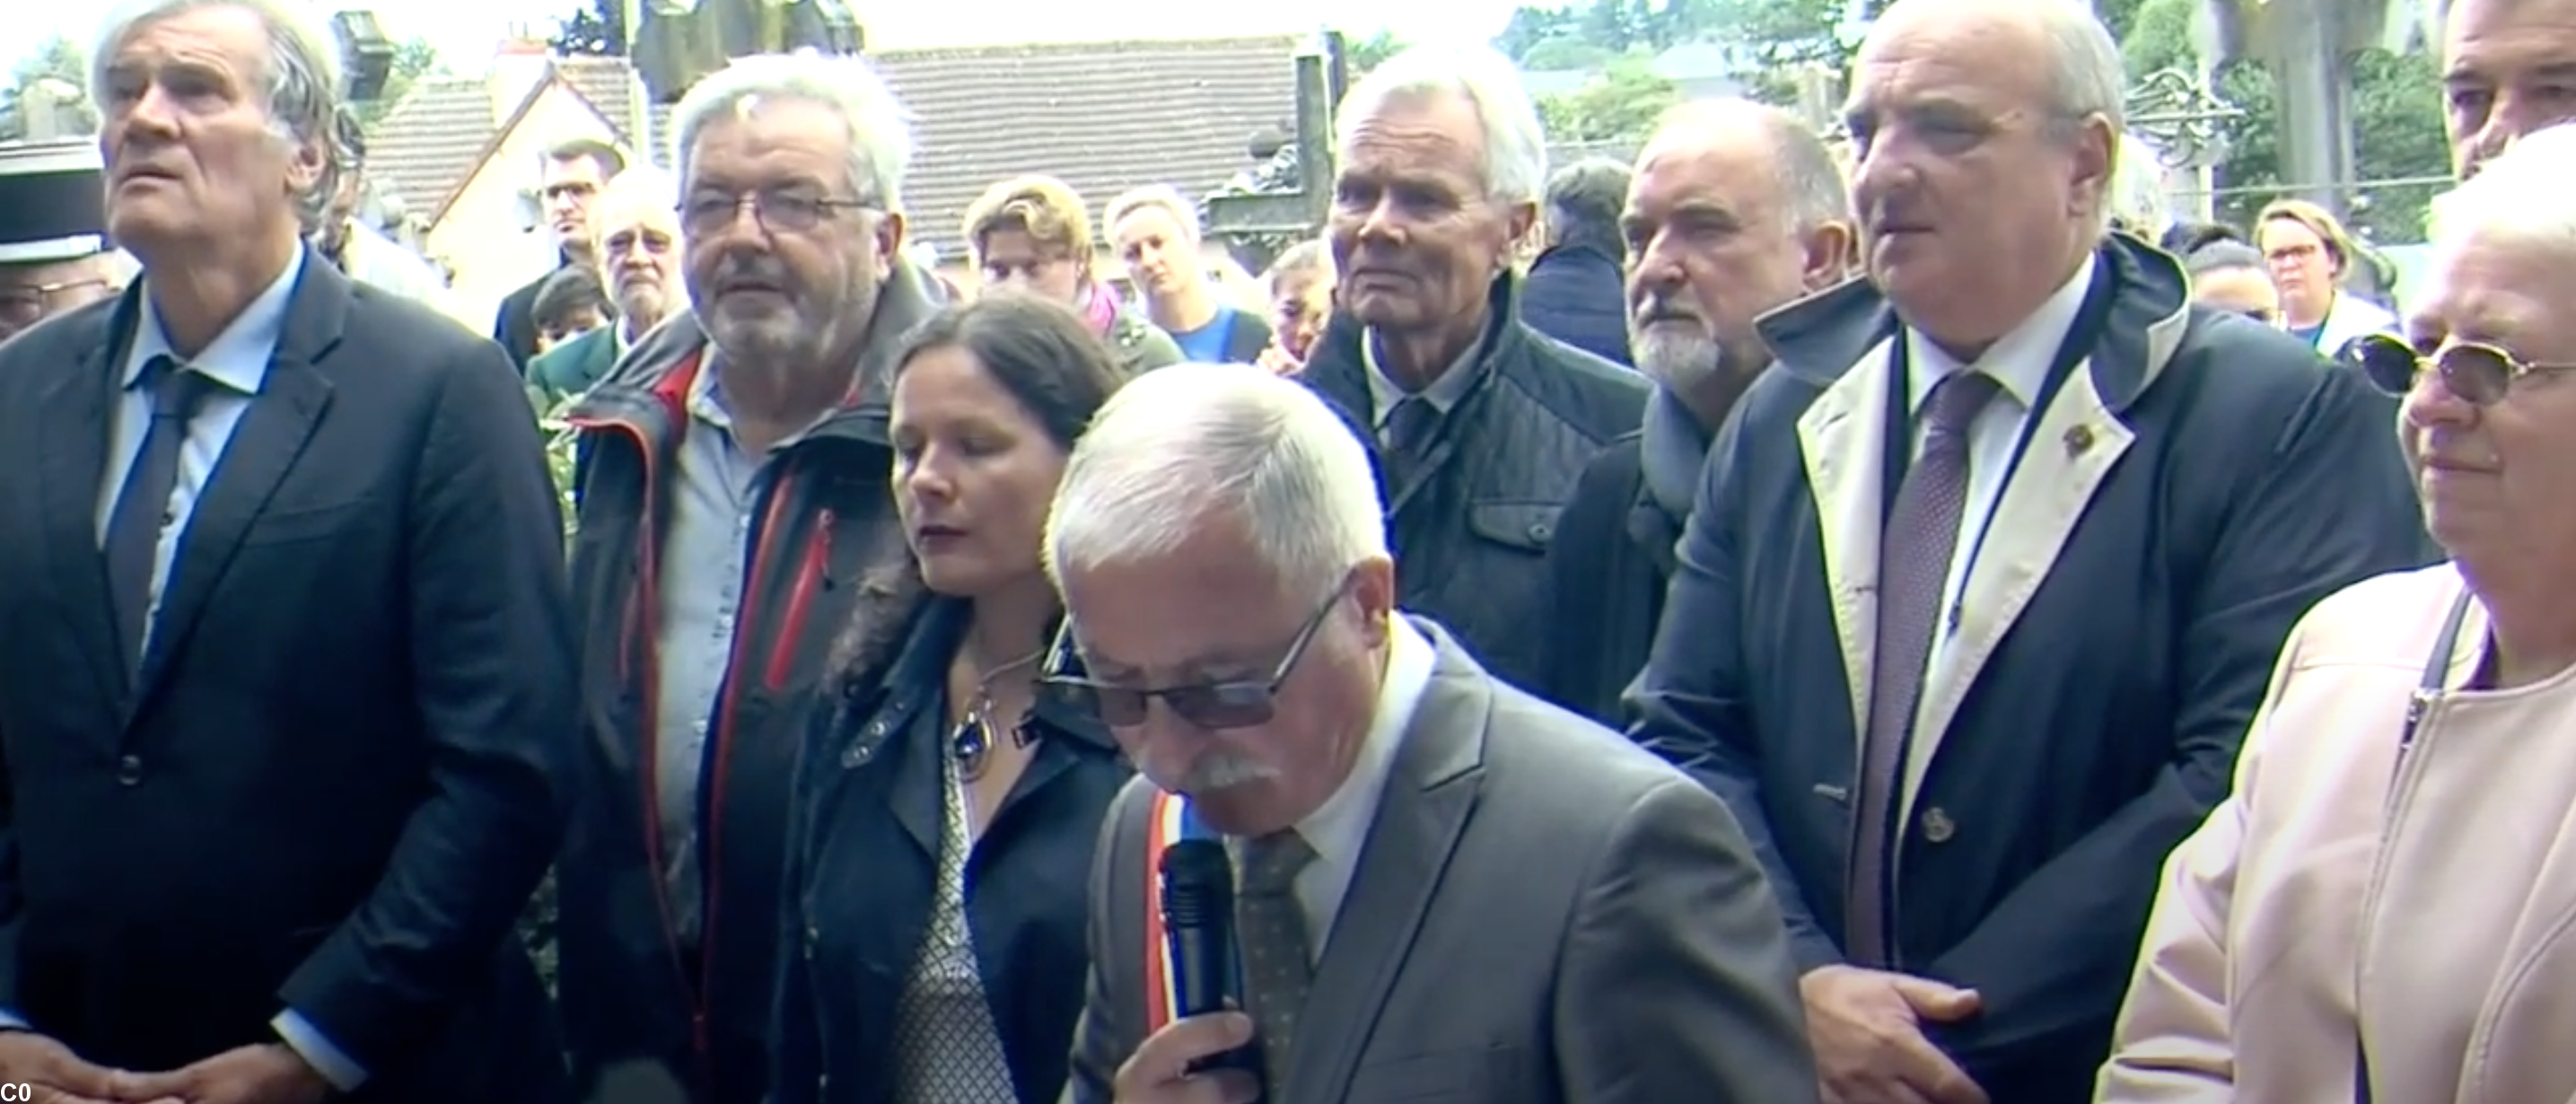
1168,821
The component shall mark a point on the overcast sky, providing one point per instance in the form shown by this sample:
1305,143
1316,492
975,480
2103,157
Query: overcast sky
466,30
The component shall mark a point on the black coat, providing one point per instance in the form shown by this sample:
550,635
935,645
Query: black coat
1472,527
1579,295
2191,488
1613,557
342,774
864,848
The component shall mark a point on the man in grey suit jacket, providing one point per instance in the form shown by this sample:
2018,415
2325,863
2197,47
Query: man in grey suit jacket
1495,900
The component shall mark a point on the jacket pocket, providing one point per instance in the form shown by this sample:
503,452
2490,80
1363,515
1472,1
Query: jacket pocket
1524,526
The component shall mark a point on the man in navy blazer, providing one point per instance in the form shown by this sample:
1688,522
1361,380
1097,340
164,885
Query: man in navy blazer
286,665
1967,674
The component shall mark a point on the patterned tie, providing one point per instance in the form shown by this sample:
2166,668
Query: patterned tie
1408,432
143,504
1277,966
1913,566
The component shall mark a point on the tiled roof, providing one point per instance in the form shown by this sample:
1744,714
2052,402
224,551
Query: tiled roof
429,145
1103,117
424,148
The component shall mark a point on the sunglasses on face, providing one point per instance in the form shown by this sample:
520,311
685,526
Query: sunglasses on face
2479,373
1239,703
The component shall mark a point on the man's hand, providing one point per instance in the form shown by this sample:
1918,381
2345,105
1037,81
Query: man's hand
1866,1027
1159,1071
268,1073
1279,362
56,1075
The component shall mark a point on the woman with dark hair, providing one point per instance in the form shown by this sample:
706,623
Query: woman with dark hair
905,980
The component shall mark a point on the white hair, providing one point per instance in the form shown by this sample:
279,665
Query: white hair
2090,77
2138,198
1515,166
1181,447
302,72
2521,194
880,129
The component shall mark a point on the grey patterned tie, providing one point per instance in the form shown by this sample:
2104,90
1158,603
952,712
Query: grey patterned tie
1409,424
1276,958
1914,553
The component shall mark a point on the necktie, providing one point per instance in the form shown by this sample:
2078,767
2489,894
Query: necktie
1913,566
143,504
1277,966
1408,431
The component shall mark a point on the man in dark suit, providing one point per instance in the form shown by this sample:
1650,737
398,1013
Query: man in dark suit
1446,886
287,675
576,171
1987,572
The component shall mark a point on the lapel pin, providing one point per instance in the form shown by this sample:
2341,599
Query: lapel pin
2079,440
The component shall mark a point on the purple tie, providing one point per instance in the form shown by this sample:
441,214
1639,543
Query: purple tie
1914,553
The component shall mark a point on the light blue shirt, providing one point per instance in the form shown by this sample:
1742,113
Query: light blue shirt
705,554
237,361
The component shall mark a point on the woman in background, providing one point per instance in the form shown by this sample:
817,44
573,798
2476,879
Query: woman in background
1032,233
2310,255
1156,234
940,832
1301,286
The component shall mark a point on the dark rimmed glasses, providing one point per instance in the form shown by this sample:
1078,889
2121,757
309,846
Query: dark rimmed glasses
706,214
2479,373
1240,703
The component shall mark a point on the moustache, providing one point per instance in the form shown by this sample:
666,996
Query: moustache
744,270
1219,771
1661,309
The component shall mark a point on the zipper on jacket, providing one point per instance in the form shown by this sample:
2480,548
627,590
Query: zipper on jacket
639,656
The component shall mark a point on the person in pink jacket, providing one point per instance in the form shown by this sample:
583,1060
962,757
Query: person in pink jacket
2385,907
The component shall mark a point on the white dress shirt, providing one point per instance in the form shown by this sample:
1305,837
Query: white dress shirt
1339,828
2019,362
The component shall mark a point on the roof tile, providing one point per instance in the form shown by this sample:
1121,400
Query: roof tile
427,145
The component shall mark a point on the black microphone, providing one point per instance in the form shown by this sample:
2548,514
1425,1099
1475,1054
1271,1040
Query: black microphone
1198,927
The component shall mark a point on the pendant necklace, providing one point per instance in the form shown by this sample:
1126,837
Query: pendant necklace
970,745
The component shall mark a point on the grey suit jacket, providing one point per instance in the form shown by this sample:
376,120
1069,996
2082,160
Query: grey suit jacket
1542,912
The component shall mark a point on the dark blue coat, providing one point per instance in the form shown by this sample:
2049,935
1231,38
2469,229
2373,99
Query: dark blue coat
1578,295
2194,485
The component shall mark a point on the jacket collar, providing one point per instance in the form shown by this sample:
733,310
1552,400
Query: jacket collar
1671,448
1819,338
920,672
1339,366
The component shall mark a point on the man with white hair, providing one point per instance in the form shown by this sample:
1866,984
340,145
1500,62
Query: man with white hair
1481,423
1734,209
1979,594
1445,885
287,697
635,239
733,475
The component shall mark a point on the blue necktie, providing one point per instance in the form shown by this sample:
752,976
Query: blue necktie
143,504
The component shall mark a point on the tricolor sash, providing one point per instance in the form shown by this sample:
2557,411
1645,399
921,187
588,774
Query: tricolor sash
1168,821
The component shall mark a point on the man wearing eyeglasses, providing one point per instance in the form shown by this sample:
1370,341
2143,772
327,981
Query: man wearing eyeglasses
54,256
576,171
636,236
733,480
1443,887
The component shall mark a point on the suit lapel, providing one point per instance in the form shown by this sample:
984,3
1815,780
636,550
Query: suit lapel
73,426
2072,451
272,433
1430,789
1844,445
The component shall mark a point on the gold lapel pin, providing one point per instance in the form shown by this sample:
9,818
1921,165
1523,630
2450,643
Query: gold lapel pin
2079,440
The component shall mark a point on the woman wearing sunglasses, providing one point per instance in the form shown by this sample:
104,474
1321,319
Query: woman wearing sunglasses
944,813
2385,907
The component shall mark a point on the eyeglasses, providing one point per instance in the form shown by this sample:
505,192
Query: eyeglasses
24,305
776,212
2479,373
1208,705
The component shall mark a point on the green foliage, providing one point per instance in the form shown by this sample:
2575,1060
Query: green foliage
1620,105
537,923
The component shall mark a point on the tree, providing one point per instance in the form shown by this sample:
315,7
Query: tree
598,29
1620,105
59,59
1368,53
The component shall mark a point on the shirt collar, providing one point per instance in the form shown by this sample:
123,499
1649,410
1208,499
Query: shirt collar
1338,827
1443,393
2020,361
238,357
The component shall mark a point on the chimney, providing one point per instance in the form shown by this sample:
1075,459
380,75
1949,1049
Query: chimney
517,66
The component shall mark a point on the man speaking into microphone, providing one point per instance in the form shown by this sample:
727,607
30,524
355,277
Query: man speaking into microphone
1439,881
